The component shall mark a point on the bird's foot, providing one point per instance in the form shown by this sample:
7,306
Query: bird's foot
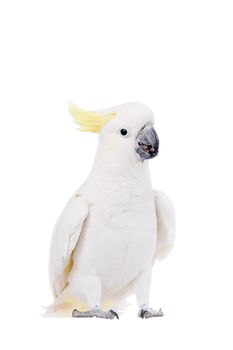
147,312
95,313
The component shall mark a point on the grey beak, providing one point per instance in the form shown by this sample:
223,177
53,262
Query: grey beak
147,143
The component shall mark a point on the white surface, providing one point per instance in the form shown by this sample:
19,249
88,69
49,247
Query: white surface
176,57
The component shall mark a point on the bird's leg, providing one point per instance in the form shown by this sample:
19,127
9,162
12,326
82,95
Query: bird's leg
88,288
95,312
142,290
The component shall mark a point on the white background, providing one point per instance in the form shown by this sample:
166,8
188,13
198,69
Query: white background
176,57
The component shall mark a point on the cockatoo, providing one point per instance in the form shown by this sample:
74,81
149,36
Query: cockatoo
115,226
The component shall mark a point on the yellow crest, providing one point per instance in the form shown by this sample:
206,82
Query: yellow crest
89,121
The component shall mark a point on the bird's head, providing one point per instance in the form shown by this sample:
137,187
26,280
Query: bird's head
124,130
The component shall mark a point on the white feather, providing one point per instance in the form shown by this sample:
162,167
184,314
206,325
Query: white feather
165,225
65,237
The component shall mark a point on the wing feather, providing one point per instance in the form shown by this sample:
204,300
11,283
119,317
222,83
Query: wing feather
64,239
165,225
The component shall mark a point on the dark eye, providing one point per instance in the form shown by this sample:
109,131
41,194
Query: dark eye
123,132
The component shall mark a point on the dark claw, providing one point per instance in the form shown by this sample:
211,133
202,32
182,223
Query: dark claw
74,312
143,312
114,314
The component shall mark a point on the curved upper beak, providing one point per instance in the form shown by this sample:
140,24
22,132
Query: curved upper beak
147,143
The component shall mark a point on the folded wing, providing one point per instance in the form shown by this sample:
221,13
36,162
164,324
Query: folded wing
64,240
165,225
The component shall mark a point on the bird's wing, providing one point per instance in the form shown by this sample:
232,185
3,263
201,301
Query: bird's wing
165,225
65,237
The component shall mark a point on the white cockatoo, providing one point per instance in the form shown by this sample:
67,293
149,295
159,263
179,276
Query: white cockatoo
115,226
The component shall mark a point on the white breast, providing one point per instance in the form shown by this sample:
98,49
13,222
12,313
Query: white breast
118,240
